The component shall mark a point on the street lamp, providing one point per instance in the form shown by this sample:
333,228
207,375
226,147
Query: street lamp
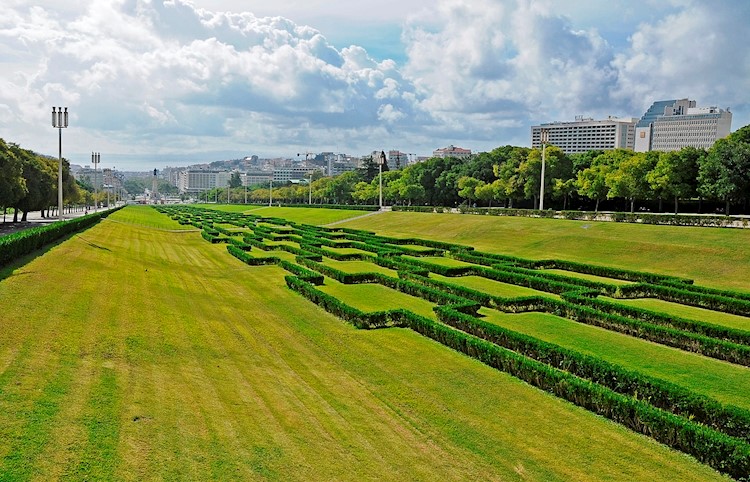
309,199
96,158
544,137
60,122
270,190
380,176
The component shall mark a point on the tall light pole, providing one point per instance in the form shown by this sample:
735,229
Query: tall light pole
270,190
309,199
380,177
96,158
60,122
544,137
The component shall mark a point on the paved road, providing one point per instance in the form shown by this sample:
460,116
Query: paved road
34,219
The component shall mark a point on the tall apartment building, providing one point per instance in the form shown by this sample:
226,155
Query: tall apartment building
670,125
586,134
397,159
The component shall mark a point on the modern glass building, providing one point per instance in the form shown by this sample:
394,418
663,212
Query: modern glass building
670,125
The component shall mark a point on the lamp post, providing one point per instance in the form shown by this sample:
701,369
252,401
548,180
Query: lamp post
309,199
544,137
96,158
60,122
270,191
380,177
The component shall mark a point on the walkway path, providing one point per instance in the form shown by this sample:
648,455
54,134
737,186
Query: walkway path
372,213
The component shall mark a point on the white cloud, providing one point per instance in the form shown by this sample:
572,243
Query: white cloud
168,77
698,52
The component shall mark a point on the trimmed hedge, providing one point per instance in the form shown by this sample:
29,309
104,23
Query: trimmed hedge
662,394
700,327
722,452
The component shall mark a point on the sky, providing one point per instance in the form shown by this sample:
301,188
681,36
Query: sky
154,83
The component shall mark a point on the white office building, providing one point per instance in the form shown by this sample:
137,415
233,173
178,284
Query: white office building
586,134
670,125
452,151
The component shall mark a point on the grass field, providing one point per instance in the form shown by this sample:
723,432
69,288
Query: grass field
590,277
721,380
316,216
492,287
712,256
132,352
690,312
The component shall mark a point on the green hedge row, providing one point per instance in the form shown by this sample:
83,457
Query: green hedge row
686,297
662,394
695,326
13,246
725,453
722,452
249,259
333,305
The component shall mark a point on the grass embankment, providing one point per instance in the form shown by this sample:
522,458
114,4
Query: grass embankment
316,216
132,353
711,256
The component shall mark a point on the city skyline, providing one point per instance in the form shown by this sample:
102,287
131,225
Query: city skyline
150,84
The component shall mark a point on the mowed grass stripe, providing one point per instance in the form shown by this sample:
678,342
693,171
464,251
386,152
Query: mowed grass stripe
370,297
586,276
723,381
222,372
357,266
492,287
690,312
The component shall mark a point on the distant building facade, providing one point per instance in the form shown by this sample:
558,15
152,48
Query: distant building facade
586,134
452,151
670,125
397,159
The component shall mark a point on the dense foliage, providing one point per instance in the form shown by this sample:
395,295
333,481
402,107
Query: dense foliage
510,176
28,182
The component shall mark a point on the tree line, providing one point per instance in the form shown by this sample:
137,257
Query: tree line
28,182
510,176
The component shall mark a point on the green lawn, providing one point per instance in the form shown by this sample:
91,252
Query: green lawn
440,261
586,276
134,353
375,297
713,257
348,251
492,287
724,381
359,267
689,312
314,216
232,208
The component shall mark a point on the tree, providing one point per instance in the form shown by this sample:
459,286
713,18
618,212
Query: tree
485,192
467,187
412,193
509,185
725,172
675,174
235,180
12,182
557,165
365,193
628,179
591,182
369,169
